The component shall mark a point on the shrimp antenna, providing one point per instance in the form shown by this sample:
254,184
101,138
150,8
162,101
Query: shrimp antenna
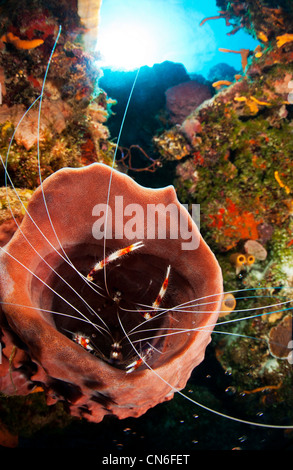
112,168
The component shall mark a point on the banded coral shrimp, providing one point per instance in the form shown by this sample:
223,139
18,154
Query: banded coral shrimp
141,307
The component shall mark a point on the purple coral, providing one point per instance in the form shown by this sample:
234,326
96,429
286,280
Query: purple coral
183,99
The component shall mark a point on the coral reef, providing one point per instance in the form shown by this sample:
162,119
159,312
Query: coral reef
263,19
12,209
244,135
72,105
234,157
74,110
146,115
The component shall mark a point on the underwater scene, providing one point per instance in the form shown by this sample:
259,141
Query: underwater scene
146,227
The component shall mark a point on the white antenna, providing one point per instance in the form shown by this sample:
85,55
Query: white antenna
112,168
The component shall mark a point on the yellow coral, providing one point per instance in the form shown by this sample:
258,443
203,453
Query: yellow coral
263,37
278,179
252,106
262,103
21,43
250,259
258,51
221,83
228,305
252,102
238,259
281,40
240,98
6,128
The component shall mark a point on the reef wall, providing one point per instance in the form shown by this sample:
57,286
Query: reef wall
234,158
73,111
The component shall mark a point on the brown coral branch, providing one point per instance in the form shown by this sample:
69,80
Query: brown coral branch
235,30
126,159
222,14
243,52
263,389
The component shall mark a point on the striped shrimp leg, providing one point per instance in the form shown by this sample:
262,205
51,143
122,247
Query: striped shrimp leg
156,304
112,257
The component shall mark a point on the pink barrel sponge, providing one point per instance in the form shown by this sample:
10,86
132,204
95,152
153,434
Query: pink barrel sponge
88,342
